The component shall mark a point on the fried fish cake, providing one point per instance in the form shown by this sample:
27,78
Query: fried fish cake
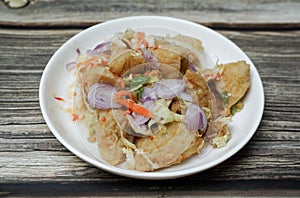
236,78
198,88
165,149
108,138
124,59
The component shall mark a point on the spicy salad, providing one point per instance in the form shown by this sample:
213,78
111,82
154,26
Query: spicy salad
150,102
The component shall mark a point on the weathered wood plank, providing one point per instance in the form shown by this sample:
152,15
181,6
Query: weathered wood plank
255,161
224,13
185,187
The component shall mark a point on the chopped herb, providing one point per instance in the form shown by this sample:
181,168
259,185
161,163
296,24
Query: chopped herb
234,109
237,107
138,93
224,97
138,81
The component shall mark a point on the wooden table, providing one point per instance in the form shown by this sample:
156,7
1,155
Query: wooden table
34,163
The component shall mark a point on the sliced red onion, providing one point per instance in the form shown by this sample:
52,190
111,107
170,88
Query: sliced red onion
185,96
139,130
195,118
169,88
78,51
71,65
98,49
101,96
150,58
193,67
149,104
126,42
106,52
139,119
148,94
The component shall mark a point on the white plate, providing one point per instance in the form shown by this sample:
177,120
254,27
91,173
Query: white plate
56,79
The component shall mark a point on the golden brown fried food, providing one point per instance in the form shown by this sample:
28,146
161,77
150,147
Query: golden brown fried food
165,149
108,138
129,58
166,135
194,148
123,61
236,78
98,74
198,86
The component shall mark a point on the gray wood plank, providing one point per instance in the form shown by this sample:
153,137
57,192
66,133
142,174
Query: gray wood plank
30,153
223,13
186,187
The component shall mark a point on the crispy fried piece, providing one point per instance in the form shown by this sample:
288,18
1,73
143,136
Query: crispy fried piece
194,148
167,57
236,78
124,59
108,138
86,78
165,149
187,54
175,106
217,103
169,72
121,61
225,131
176,49
98,74
178,106
198,86
189,48
191,41
170,55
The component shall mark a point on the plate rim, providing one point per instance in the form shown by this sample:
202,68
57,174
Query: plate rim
145,175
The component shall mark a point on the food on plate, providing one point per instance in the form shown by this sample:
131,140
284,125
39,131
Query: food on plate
236,78
150,102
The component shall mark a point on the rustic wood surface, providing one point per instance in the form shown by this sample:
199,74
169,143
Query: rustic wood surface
34,163
221,13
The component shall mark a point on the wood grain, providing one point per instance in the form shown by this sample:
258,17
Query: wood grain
29,153
185,187
223,13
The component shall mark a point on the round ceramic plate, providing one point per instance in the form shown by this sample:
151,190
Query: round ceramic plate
55,81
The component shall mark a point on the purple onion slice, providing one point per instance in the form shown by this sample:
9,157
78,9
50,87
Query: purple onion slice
169,88
150,58
98,49
195,118
101,96
148,94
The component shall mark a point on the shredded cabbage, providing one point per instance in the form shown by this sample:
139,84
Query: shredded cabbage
221,141
129,160
163,114
137,128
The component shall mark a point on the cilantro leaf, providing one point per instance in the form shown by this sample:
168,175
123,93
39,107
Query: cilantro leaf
138,93
224,97
234,109
138,81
